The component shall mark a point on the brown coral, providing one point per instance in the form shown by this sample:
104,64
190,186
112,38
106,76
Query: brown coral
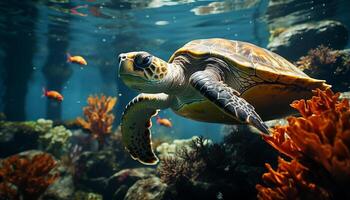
22,177
98,120
328,64
319,140
319,57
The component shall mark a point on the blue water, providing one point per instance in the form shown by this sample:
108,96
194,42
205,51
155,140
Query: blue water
159,27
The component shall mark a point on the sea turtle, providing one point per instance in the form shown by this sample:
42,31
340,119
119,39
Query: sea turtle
212,80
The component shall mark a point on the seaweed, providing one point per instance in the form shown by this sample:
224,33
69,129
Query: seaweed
318,145
98,119
22,177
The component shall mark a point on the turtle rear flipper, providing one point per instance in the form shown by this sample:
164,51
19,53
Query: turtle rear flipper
209,84
136,124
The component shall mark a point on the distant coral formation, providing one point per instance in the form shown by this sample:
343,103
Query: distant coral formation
319,57
55,140
318,144
98,119
326,63
22,177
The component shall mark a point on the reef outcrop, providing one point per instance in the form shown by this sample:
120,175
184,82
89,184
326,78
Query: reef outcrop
317,147
295,41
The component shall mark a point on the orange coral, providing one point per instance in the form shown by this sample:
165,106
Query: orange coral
289,182
26,178
99,120
320,138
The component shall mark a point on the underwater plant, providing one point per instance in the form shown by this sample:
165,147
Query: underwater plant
192,162
98,117
22,177
318,145
185,165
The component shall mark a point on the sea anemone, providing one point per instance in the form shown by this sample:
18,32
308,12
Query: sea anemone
318,145
98,117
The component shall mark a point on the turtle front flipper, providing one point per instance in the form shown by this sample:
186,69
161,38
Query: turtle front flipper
209,83
136,124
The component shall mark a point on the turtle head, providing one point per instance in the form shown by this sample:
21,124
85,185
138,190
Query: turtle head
142,71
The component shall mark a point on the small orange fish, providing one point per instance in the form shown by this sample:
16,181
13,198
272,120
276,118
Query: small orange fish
76,59
51,94
164,122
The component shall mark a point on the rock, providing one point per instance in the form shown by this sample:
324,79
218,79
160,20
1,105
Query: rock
224,6
16,137
2,116
147,189
95,168
297,40
98,164
81,195
120,182
61,189
285,13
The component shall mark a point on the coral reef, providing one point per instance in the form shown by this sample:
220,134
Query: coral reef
318,144
325,63
98,120
25,177
55,140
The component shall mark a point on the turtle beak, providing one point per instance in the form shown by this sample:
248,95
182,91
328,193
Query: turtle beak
125,64
121,58
127,73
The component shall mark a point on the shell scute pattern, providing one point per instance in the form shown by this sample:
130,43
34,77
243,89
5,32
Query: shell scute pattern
247,61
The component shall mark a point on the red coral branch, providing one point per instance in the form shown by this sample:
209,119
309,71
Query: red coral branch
26,178
321,137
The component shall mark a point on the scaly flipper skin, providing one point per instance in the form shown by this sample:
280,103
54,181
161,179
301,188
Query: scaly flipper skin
136,124
209,84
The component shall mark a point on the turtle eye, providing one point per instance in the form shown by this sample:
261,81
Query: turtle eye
143,62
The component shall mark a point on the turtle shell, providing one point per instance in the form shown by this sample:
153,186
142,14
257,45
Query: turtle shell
250,60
